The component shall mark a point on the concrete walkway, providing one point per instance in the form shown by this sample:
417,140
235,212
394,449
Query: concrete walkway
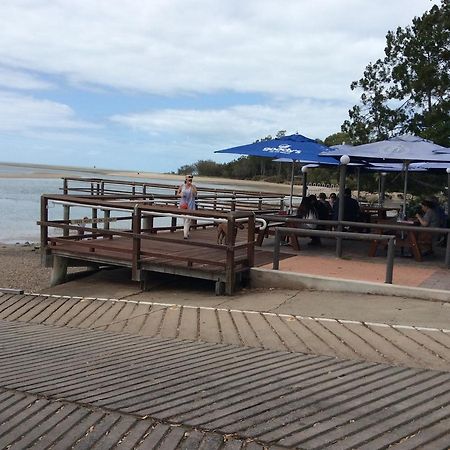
355,264
394,310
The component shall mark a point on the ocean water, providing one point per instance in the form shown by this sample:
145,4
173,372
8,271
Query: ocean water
20,207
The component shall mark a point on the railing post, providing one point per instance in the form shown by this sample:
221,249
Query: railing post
390,260
342,169
44,229
229,270
136,255
276,250
174,219
251,241
94,222
233,202
106,225
447,250
66,208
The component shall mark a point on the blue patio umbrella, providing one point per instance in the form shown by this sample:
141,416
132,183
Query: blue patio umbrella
295,147
403,149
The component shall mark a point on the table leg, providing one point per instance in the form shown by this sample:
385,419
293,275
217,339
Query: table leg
412,241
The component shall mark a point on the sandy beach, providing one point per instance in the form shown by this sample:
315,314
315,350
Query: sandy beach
41,171
20,268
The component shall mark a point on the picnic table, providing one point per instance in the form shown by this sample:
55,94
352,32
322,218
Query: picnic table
409,239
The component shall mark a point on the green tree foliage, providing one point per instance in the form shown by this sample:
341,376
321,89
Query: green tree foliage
409,89
187,169
337,139
208,168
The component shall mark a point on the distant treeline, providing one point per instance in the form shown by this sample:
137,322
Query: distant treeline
264,169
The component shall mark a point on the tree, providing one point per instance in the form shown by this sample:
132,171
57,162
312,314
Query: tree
409,89
187,169
208,168
337,139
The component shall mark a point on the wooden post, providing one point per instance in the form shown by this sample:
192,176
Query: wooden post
106,226
94,222
233,202
66,208
44,229
229,269
136,256
174,219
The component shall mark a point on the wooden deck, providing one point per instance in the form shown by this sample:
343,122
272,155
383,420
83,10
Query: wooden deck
197,257
145,247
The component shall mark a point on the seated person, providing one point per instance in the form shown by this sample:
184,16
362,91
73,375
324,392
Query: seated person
351,208
324,207
308,210
430,219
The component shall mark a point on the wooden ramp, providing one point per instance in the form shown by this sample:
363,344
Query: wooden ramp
135,387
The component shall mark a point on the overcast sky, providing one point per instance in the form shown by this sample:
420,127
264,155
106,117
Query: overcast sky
155,84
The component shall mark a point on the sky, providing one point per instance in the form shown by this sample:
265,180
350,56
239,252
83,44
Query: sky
151,85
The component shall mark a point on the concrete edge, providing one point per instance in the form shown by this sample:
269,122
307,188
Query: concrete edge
268,278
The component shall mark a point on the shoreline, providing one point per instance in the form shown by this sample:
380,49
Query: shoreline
54,172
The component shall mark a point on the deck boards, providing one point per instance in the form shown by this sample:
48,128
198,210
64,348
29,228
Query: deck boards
72,387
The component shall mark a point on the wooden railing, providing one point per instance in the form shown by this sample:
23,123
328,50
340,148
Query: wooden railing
82,239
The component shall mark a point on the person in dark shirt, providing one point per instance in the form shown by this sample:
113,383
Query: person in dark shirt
351,208
325,211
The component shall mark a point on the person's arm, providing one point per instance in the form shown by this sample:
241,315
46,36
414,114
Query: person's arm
180,190
423,220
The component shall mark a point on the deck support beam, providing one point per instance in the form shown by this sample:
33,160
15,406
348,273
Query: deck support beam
59,270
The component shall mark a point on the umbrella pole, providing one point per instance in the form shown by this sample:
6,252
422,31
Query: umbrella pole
448,197
383,186
305,181
342,170
292,187
405,186
379,189
358,175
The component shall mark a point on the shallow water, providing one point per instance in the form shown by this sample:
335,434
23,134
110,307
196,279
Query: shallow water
20,201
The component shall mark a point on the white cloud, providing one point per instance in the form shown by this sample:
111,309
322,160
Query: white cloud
238,123
289,48
14,79
20,113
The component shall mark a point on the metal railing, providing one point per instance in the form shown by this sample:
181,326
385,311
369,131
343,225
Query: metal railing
279,232
372,226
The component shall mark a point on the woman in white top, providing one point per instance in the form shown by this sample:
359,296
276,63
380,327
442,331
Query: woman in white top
187,193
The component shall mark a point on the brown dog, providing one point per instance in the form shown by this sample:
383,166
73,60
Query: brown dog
222,231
